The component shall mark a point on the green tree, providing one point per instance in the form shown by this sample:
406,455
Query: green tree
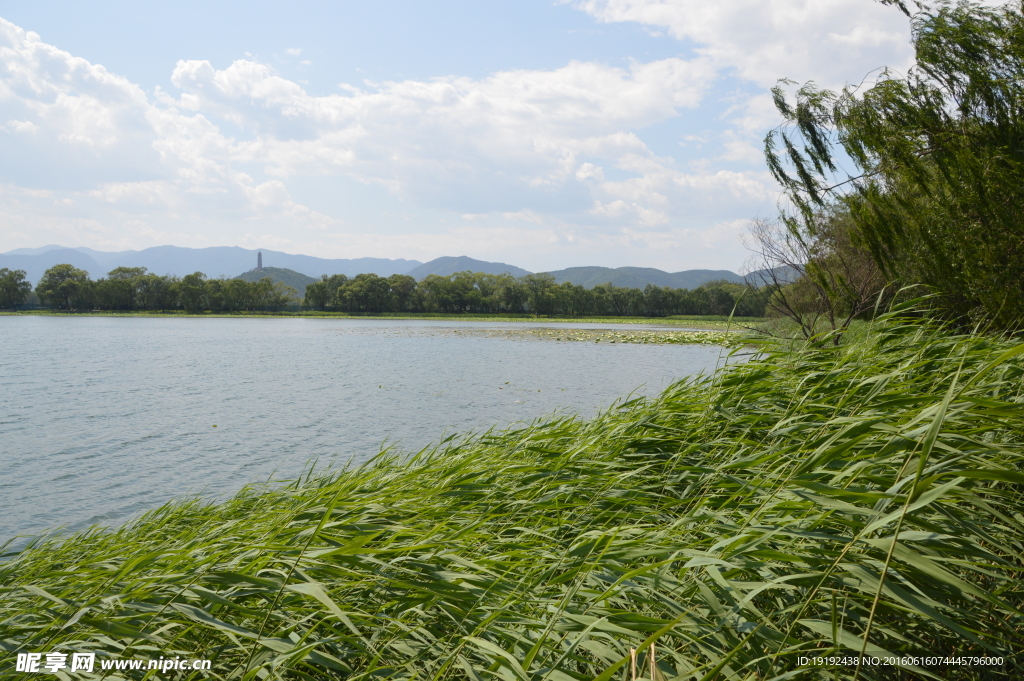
321,294
618,301
438,294
260,294
657,301
126,273
404,293
513,294
64,286
489,288
192,292
540,287
938,157
14,288
466,296
229,294
280,296
365,293
119,290
571,299
217,296
154,292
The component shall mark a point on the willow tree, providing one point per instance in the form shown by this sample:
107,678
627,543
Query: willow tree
64,285
935,183
14,288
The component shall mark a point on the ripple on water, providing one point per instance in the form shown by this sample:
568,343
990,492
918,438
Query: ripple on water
124,420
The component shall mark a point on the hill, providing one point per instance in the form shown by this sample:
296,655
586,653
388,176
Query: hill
222,260
215,261
35,264
448,265
784,275
219,260
640,277
35,251
297,280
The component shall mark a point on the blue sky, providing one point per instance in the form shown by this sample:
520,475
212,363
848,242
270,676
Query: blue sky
543,134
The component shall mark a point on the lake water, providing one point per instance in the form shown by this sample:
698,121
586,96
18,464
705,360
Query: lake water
102,418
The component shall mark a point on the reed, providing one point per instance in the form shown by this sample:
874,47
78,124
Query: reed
817,501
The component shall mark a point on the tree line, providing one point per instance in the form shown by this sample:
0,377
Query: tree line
66,287
133,288
480,293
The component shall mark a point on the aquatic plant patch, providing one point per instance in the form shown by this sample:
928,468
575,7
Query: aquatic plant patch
815,513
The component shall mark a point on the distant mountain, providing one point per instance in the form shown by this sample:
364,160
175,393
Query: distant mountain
640,277
781,275
296,280
35,264
223,260
448,265
34,251
214,262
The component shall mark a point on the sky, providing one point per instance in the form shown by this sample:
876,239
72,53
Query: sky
544,134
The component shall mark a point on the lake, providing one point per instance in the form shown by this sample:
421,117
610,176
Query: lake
102,418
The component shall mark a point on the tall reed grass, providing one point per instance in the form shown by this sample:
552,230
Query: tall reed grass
867,499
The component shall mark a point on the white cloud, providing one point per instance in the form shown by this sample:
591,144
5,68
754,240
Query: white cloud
520,155
589,171
67,118
508,143
499,143
113,146
140,194
831,41
524,216
27,127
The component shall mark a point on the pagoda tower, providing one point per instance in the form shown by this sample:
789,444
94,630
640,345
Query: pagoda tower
259,260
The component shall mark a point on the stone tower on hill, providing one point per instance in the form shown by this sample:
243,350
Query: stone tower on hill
259,260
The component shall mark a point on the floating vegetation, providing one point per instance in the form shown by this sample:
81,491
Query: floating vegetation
639,336
659,337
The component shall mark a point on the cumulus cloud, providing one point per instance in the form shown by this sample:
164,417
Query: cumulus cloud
588,171
68,119
548,154
75,127
510,141
831,41
756,42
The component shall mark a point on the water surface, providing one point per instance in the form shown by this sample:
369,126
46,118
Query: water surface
103,417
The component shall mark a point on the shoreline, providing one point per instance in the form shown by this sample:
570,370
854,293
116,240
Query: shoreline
678,321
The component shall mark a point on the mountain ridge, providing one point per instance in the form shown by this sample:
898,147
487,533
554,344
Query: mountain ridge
214,261
640,277
448,265
297,280
217,261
